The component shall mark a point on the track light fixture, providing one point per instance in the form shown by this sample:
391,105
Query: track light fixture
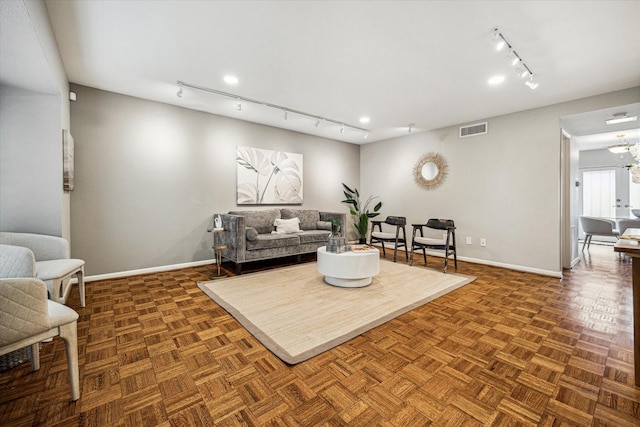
411,127
180,92
286,110
521,69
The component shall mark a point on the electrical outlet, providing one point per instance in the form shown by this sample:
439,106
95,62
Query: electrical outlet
468,240
483,242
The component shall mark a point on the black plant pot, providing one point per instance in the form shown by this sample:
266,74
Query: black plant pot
362,240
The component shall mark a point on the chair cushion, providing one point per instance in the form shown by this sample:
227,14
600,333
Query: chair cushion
16,261
60,314
429,241
23,309
57,268
382,235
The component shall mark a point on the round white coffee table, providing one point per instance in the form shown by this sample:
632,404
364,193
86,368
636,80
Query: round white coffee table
352,269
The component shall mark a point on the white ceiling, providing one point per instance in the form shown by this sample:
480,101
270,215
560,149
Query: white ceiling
421,62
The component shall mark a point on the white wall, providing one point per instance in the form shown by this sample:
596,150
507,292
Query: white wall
31,196
31,162
503,186
149,177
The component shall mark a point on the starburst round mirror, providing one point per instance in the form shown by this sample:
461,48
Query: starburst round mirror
430,170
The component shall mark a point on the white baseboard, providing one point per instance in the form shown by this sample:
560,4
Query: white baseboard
121,274
542,272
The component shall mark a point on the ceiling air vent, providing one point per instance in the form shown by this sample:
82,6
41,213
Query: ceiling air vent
473,130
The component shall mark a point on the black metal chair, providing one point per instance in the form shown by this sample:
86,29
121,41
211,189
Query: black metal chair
446,244
399,223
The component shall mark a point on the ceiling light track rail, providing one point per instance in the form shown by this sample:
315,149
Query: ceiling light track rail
239,99
521,68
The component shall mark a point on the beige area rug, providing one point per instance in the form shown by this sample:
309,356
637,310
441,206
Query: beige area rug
297,315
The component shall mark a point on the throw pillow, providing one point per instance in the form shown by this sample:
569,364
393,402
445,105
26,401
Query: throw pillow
323,225
286,226
252,234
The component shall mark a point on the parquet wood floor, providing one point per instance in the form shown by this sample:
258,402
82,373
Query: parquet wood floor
509,349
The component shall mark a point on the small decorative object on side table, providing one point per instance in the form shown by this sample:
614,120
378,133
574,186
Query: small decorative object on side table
218,247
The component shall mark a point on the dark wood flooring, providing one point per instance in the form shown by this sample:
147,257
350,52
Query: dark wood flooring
510,349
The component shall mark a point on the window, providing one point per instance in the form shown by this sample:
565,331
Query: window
599,193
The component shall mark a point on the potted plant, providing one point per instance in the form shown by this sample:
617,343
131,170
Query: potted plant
360,211
335,227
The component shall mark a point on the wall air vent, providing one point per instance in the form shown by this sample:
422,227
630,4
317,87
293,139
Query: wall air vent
473,130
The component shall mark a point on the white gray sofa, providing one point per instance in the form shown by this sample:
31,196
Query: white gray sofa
252,235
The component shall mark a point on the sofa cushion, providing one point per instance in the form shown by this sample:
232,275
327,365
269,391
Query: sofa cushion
271,241
323,225
308,217
262,221
286,226
314,236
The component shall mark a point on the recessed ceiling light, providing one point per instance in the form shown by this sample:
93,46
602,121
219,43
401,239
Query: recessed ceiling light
232,80
365,119
496,80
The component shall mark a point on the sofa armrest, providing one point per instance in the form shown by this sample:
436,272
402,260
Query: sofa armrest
326,216
234,237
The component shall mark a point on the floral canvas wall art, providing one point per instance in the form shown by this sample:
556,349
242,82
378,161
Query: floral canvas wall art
266,177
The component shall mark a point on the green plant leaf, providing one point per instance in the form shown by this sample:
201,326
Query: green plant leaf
347,188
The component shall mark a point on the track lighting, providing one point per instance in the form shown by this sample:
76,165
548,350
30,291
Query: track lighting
521,72
532,85
513,57
411,127
240,99
498,39
515,60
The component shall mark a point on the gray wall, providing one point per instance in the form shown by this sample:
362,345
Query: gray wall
149,176
503,186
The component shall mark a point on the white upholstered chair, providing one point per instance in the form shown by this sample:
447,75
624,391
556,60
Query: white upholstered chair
28,317
623,224
54,266
597,227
